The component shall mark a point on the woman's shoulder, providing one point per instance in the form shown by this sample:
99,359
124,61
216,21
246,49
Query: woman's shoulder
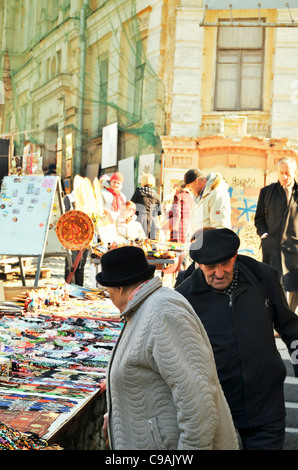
185,196
137,193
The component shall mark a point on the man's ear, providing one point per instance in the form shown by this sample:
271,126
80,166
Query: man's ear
234,257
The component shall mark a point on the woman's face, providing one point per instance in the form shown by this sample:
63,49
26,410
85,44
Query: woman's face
130,212
116,185
118,297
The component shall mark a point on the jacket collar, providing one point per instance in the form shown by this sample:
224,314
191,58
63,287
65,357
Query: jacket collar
294,186
294,198
197,282
140,295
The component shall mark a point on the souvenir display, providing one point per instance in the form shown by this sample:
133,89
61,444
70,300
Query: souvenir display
35,403
89,200
75,230
12,439
152,248
5,365
55,347
29,421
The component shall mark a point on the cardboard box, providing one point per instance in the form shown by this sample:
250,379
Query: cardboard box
2,295
11,293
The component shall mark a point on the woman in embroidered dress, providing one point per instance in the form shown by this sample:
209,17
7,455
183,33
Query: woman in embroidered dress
127,225
112,196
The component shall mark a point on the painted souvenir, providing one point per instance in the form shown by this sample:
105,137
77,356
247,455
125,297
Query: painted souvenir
75,230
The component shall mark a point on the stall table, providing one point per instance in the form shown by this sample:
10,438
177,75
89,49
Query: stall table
59,354
159,263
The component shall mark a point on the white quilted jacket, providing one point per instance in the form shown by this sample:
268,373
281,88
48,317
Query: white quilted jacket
213,209
162,387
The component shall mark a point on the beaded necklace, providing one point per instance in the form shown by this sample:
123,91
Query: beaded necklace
11,439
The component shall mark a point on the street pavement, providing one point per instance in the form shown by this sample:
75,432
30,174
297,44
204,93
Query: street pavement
291,399
56,267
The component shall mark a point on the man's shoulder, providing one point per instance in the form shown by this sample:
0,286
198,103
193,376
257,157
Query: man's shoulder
192,284
269,187
267,191
137,192
183,288
258,268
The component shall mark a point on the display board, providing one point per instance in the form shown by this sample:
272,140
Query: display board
27,218
109,145
126,168
25,208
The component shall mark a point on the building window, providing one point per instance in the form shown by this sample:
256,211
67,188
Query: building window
239,68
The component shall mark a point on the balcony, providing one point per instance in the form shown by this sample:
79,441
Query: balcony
256,124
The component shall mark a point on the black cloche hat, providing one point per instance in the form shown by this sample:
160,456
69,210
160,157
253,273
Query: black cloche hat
124,266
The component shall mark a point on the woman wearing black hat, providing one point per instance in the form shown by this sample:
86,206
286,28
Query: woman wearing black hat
162,387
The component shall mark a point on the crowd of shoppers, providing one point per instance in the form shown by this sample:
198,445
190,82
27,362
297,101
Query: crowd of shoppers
197,366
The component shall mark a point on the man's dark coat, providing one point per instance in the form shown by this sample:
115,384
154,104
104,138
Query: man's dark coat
240,329
148,209
280,221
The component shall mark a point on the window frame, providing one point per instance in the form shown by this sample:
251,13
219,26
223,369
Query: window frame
240,51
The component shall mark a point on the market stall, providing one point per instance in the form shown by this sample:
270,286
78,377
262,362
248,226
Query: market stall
56,342
55,345
160,254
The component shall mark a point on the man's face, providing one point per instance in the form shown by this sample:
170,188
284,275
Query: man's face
196,186
285,174
220,275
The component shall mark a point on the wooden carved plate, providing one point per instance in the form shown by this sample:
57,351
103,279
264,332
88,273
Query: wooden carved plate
75,230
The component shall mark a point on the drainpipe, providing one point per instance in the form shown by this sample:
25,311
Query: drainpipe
78,156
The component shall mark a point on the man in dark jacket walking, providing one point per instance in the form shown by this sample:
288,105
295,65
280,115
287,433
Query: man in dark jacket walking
240,302
276,221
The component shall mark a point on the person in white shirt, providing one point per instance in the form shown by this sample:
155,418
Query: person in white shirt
212,204
127,225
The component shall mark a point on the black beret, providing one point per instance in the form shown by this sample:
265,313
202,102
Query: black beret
214,246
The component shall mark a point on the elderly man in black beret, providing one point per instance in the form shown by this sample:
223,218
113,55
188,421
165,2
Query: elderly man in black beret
240,302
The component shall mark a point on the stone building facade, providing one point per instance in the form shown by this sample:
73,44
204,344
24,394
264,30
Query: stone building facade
233,100
183,84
